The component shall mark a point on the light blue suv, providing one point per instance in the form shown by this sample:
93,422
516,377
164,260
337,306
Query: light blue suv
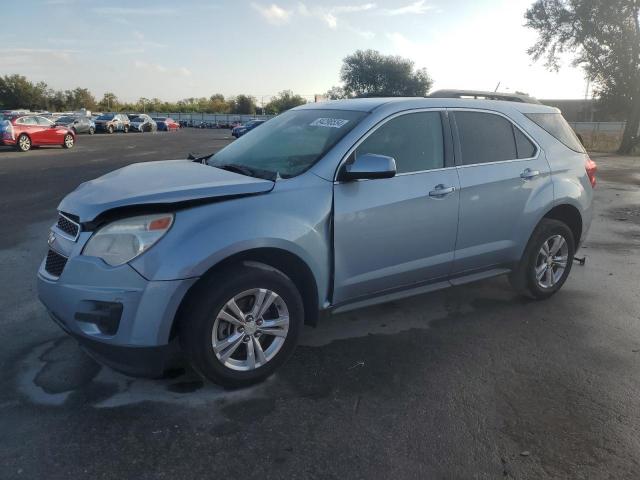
327,207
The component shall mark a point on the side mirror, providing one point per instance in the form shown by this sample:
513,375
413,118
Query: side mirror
369,166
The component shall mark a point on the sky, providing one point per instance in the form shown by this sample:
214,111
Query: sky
192,48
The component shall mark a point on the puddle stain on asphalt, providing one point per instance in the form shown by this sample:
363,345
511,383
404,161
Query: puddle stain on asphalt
58,373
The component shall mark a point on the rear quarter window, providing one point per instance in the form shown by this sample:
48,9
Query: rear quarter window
557,126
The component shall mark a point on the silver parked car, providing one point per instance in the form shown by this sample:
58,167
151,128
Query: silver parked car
327,207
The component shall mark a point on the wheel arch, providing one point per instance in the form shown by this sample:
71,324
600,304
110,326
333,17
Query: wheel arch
282,260
571,217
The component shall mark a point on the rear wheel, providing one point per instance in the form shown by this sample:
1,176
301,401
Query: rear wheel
24,143
547,260
241,324
69,141
92,130
110,129
126,129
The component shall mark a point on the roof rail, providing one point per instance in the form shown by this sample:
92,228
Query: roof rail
478,94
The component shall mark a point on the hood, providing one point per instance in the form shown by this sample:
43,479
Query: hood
164,182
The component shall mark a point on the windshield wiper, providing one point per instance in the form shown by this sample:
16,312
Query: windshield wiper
248,171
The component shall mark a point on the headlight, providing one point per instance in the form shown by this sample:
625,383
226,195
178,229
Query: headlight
123,240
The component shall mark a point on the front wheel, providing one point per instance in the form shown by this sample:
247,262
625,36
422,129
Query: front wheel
547,260
243,331
92,130
126,129
110,129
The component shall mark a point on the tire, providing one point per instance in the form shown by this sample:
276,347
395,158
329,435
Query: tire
125,129
110,129
24,143
204,330
68,141
92,130
538,276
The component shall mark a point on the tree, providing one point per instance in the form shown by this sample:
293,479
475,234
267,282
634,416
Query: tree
18,92
336,93
604,35
285,100
368,73
218,104
109,102
243,104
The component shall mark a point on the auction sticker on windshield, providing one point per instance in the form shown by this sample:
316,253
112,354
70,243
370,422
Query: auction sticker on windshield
329,122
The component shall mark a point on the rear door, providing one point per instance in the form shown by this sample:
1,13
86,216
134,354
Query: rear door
33,129
504,183
401,231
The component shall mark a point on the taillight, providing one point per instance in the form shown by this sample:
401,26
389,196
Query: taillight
591,168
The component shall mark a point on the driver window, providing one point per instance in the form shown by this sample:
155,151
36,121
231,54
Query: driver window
414,140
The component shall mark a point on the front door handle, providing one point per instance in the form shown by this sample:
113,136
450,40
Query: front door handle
441,190
529,174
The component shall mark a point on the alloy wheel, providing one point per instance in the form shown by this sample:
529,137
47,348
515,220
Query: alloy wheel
551,261
68,141
24,143
250,329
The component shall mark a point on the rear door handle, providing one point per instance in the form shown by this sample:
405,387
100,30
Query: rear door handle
441,190
528,174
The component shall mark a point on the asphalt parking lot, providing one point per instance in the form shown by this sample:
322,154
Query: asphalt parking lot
471,382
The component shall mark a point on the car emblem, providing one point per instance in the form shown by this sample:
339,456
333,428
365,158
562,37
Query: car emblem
52,239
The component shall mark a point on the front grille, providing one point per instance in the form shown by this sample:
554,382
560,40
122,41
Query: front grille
68,224
55,263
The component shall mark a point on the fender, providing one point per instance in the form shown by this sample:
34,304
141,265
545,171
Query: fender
204,236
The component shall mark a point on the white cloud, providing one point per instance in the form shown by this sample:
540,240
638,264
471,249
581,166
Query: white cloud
128,11
157,68
416,8
273,13
366,34
354,8
332,16
331,20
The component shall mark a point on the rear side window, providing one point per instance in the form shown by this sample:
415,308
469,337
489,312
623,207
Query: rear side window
414,140
485,137
28,121
525,148
556,125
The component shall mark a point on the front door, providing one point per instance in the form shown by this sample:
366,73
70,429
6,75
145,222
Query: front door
401,231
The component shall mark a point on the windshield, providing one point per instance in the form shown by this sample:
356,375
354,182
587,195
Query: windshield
107,116
290,143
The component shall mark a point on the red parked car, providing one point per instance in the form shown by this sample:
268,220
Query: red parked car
26,131
166,124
